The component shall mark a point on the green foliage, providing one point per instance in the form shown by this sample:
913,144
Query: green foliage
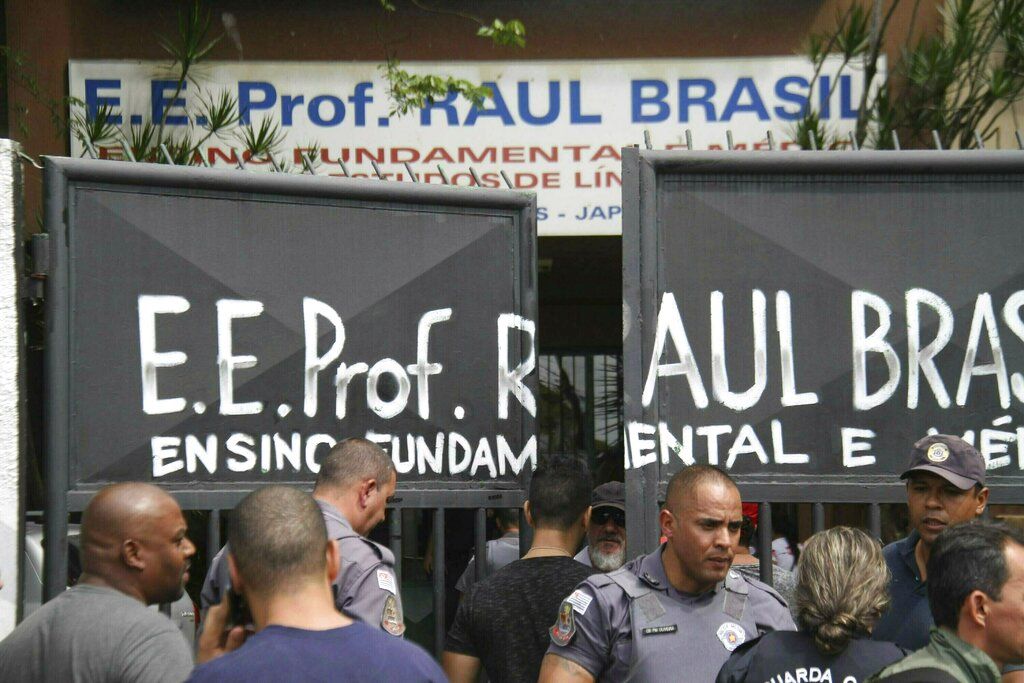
21,75
190,45
217,114
262,140
94,130
955,81
512,34
412,91
209,114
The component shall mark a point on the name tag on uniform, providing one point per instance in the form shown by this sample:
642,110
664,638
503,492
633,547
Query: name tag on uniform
580,601
655,630
386,581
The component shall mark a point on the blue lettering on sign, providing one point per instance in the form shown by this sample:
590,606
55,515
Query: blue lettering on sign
824,96
687,100
288,104
642,101
315,110
359,99
846,110
447,104
575,113
159,91
783,92
745,86
246,103
499,110
650,101
554,104
94,101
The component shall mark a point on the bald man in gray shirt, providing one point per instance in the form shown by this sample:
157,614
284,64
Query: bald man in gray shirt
134,553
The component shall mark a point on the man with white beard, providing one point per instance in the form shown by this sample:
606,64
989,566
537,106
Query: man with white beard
606,533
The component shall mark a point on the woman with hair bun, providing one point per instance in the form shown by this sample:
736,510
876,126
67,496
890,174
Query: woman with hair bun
841,590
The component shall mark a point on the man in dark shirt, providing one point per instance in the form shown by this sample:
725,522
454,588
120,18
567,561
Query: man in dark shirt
282,563
945,486
502,622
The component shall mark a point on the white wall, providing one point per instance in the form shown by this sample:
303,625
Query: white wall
11,382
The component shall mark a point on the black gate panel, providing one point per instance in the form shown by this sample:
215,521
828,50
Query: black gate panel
214,331
800,319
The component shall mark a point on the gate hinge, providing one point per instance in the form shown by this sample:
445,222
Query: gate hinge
35,283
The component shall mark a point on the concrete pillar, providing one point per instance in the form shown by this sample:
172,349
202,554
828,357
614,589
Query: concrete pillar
12,395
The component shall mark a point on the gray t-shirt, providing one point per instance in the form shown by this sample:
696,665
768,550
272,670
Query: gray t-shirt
500,552
92,634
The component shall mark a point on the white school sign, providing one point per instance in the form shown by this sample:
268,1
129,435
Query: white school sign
556,127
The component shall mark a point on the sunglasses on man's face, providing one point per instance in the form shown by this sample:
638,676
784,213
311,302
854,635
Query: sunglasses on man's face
601,516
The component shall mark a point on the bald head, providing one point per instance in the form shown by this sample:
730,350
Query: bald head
134,539
685,482
121,511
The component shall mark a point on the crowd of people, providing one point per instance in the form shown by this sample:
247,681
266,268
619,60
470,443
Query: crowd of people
300,593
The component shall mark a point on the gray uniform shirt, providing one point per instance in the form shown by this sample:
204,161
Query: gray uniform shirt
500,552
366,587
681,637
91,634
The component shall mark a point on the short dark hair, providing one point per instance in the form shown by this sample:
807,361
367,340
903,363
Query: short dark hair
507,518
559,492
747,530
683,482
965,558
278,537
351,461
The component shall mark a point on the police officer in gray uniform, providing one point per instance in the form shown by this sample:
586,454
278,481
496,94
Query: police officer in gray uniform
356,479
675,614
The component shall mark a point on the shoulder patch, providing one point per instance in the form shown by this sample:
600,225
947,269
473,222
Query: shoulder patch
386,581
391,618
565,626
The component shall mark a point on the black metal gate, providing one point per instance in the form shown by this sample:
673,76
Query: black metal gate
234,297
801,318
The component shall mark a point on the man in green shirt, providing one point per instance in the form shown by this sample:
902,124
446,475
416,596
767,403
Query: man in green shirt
976,595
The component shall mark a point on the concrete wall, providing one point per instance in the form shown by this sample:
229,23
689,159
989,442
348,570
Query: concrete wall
11,384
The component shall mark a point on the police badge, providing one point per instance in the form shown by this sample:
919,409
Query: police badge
391,618
565,628
938,452
732,635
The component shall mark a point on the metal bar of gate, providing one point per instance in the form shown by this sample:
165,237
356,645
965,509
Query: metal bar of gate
480,539
213,533
875,520
818,517
590,430
438,581
55,530
395,540
764,541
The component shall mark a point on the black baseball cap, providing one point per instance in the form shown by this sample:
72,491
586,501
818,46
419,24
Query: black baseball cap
949,457
611,494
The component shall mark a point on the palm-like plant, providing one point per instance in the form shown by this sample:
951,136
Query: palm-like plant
955,82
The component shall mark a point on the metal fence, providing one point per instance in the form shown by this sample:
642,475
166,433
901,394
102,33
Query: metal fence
580,411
